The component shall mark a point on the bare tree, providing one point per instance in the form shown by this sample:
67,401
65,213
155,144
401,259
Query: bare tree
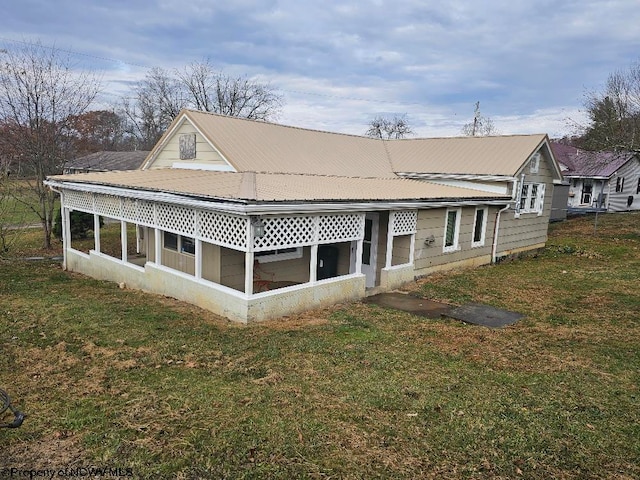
614,114
387,129
162,94
40,92
480,126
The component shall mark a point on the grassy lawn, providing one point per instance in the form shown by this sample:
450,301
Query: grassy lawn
118,378
17,206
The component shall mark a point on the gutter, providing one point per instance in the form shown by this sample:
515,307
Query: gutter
241,207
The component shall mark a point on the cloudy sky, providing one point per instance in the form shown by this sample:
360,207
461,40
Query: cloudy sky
339,63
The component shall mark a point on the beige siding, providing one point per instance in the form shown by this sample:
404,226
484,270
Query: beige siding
529,230
432,222
232,268
401,250
150,240
211,262
344,257
205,154
179,261
293,270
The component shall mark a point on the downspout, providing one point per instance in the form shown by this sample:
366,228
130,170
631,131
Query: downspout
496,229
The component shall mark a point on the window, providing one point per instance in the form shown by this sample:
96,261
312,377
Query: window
170,241
531,198
451,231
187,143
587,192
619,184
479,227
178,243
638,189
278,255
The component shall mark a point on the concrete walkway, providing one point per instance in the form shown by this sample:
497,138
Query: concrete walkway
473,313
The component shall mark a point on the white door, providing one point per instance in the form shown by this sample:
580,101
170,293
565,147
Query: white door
370,248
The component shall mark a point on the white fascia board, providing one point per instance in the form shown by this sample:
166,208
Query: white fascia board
241,207
482,187
456,176
203,166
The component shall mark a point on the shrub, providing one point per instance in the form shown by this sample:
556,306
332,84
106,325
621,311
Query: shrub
81,224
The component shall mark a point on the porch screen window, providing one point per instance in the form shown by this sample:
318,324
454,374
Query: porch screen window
451,230
178,243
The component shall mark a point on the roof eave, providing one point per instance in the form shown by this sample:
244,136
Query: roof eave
253,207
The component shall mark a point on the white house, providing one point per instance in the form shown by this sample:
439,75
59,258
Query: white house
599,181
254,220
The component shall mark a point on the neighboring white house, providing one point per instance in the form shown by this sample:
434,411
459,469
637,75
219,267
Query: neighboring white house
254,220
599,181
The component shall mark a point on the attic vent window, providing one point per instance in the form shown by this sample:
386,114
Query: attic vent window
534,164
187,146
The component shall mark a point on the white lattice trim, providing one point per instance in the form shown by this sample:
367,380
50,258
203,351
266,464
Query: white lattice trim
403,222
222,229
108,206
176,219
78,200
285,232
340,228
298,231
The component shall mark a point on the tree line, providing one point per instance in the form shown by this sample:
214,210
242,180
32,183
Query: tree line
46,114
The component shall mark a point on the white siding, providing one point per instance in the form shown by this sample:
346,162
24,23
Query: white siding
618,201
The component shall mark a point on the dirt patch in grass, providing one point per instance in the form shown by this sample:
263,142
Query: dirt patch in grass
57,450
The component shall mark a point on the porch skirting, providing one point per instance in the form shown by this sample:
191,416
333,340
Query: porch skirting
216,298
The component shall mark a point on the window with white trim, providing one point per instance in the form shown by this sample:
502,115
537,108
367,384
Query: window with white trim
531,198
278,255
479,227
178,243
619,184
452,230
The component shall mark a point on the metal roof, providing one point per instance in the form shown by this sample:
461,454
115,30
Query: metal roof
108,160
254,146
272,187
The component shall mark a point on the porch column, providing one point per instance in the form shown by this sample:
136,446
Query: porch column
158,246
412,248
96,232
248,279
248,261
66,232
313,264
138,238
198,259
123,239
389,252
359,245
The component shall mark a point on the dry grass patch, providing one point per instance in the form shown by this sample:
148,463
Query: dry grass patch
121,378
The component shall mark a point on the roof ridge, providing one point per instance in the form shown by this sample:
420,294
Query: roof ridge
268,122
